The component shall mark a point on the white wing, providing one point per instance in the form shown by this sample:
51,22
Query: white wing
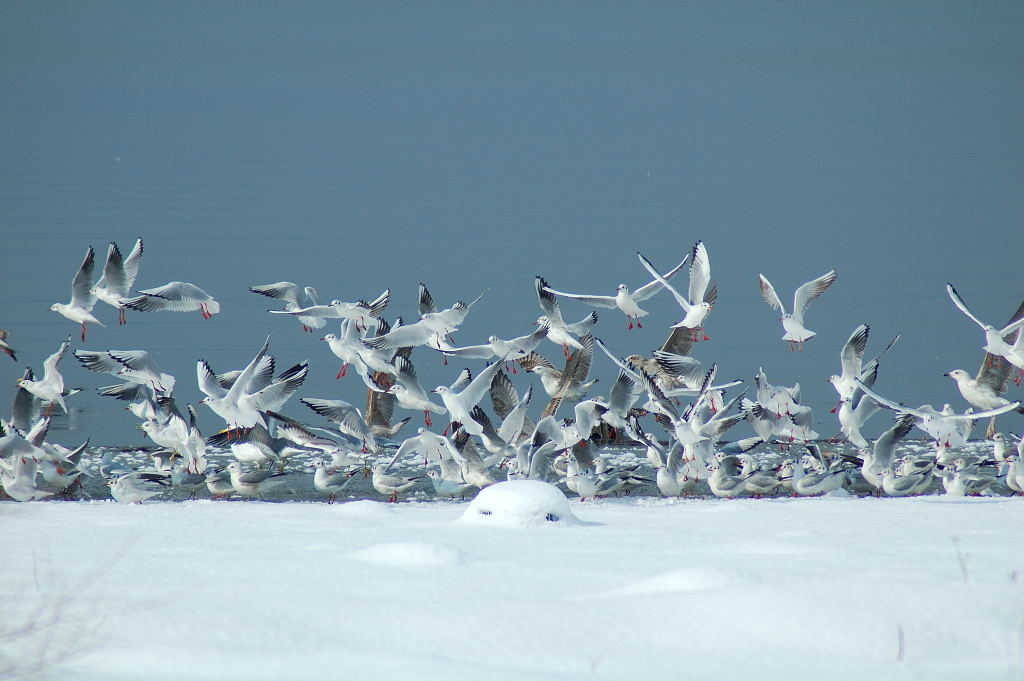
769,294
809,292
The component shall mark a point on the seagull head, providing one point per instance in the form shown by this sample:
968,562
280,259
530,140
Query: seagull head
329,337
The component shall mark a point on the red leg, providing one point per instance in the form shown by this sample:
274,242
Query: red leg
426,418
83,331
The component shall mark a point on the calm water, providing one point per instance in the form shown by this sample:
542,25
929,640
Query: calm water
354,146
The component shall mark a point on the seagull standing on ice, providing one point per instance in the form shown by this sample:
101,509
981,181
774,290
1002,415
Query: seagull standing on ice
701,295
119,275
793,323
624,299
82,298
175,296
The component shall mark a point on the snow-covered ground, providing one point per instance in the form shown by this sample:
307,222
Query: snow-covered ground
818,588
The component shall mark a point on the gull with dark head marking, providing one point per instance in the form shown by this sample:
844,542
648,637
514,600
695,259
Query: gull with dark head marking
82,298
118,277
175,296
793,322
624,299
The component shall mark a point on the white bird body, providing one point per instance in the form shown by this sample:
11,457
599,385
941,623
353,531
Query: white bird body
79,309
252,483
701,295
289,292
51,387
174,296
135,488
460,404
624,299
118,278
793,322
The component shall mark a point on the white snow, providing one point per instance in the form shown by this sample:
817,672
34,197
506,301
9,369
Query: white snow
642,588
520,503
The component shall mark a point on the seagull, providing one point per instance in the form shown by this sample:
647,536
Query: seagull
136,487
252,392
253,483
884,453
348,419
4,347
51,387
793,323
851,359
82,299
516,425
431,446
570,384
329,482
812,484
984,390
624,299
559,332
391,485
219,484
119,275
410,394
380,408
727,480
289,292
460,403
513,349
360,312
20,482
997,341
701,295
431,327
175,296
134,366
943,428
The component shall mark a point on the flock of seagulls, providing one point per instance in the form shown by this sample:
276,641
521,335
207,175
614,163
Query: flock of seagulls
668,406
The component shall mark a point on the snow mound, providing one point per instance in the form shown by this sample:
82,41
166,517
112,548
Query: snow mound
520,503
411,554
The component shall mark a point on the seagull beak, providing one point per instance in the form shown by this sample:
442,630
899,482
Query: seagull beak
946,374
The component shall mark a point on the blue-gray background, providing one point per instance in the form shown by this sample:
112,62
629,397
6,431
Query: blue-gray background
354,146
